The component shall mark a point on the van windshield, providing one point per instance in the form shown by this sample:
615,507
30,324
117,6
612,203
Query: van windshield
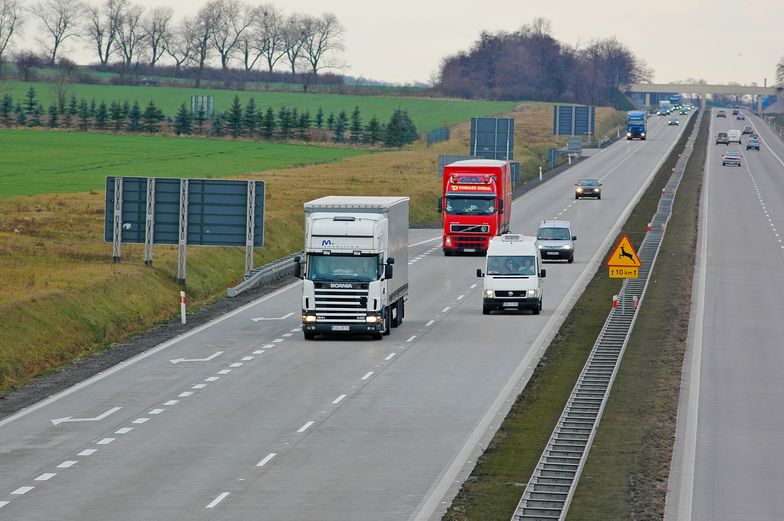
511,265
359,268
553,234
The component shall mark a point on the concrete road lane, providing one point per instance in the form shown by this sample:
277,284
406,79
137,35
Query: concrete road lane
728,459
329,429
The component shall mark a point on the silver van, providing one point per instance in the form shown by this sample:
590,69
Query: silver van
556,240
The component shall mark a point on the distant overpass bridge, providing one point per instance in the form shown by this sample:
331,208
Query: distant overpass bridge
702,89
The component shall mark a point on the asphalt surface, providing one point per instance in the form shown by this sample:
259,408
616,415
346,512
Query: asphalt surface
729,446
241,418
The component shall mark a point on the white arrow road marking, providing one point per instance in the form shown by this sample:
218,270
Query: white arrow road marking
58,421
284,317
213,355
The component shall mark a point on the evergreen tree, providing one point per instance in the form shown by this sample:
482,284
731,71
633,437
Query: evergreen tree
134,118
400,130
93,107
409,129
304,125
84,115
234,117
30,102
268,124
54,116
373,131
125,109
21,115
6,107
251,118
70,112
331,121
183,121
320,118
293,118
199,118
101,116
151,118
340,127
116,116
217,125
38,111
355,129
284,122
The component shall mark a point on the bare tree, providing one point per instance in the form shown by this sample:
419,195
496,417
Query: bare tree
26,61
10,21
102,25
130,34
157,30
233,19
780,71
62,83
269,37
202,28
247,44
179,45
293,40
59,19
320,37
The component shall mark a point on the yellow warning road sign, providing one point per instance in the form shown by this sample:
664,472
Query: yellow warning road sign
624,256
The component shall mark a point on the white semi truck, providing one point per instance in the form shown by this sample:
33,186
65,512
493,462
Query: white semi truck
355,265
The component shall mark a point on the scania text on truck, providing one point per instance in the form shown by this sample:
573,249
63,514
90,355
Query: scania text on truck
476,203
635,125
355,265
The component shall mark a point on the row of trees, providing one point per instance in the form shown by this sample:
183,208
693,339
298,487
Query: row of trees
531,64
238,121
229,32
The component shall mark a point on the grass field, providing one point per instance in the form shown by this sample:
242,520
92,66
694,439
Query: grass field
36,162
60,295
427,113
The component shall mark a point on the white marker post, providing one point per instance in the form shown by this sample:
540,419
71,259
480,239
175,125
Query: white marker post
540,173
183,300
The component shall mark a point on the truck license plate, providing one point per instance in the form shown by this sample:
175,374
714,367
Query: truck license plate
469,250
510,304
340,328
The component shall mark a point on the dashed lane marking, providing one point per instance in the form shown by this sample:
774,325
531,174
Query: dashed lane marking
105,441
124,430
217,500
139,421
266,459
87,452
367,375
173,402
390,356
156,411
338,399
67,464
306,426
21,491
46,476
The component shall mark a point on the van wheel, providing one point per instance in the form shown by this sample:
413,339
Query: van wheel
485,310
570,259
538,308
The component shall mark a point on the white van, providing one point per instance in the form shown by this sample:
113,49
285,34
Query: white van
733,136
513,278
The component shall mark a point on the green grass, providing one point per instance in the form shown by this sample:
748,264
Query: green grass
502,472
427,113
36,162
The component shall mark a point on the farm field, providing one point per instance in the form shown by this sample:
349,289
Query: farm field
36,162
427,113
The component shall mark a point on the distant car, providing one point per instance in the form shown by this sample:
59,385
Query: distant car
747,130
721,114
555,240
150,81
731,159
753,144
722,138
673,121
735,112
754,135
740,117
588,188
683,111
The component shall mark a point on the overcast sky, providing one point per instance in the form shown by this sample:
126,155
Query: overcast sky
404,41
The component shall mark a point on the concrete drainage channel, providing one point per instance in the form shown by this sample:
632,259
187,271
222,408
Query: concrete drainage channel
551,488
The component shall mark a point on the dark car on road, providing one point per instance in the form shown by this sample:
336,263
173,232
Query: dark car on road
722,138
588,188
747,130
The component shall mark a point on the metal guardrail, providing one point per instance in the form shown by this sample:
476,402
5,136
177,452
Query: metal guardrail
274,270
551,488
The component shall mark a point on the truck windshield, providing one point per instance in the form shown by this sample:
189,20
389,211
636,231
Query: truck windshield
511,265
364,268
467,205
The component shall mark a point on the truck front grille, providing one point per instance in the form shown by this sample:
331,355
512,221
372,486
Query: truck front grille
469,228
341,305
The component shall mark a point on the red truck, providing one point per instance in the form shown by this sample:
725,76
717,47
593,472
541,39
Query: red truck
476,204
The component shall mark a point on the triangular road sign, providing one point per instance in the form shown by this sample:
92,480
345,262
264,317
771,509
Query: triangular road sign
624,256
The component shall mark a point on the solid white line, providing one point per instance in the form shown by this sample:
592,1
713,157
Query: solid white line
105,441
367,375
390,356
142,356
217,500
46,476
87,452
124,430
172,402
411,338
185,394
424,242
156,411
66,464
266,459
21,491
338,399
306,426
429,323
139,421
208,379
199,386
445,309
224,371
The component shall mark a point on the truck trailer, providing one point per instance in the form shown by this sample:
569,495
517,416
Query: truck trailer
355,265
635,125
476,204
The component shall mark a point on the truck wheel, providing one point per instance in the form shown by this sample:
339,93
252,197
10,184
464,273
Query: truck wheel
485,310
399,311
447,253
538,308
309,335
599,196
388,321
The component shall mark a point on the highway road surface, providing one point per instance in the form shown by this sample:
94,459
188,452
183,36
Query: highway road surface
244,419
729,451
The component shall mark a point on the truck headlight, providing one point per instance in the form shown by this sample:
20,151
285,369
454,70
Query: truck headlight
489,293
628,134
540,247
373,319
309,318
532,293
448,241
